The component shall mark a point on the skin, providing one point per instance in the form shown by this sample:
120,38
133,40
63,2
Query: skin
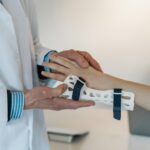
49,98
97,79
82,58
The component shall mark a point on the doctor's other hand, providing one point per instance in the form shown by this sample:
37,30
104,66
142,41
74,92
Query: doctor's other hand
81,58
49,98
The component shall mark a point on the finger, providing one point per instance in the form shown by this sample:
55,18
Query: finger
80,104
76,57
56,67
55,92
70,104
62,61
91,60
55,76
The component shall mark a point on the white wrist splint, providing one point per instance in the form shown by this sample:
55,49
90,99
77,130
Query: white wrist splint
77,89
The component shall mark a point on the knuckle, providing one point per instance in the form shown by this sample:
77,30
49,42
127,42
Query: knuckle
44,92
72,51
86,54
82,59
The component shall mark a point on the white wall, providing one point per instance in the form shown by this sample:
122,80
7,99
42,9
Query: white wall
115,32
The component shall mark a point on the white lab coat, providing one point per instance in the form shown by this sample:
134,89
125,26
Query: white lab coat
19,44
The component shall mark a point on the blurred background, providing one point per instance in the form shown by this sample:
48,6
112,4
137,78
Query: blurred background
117,34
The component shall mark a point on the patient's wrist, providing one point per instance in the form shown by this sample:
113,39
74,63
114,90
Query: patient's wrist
100,81
94,79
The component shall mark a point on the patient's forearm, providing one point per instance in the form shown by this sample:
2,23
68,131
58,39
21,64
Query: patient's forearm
141,91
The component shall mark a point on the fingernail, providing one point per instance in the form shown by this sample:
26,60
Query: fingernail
42,72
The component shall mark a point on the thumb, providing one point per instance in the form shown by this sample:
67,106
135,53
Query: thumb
55,92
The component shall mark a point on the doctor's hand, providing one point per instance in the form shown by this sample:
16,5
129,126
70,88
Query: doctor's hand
81,58
48,98
63,67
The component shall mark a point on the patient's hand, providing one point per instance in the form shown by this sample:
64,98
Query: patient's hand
64,67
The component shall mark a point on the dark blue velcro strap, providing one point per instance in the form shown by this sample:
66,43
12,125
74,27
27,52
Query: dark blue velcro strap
76,91
117,104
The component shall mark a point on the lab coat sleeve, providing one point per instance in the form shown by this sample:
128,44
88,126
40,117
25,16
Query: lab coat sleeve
40,50
3,104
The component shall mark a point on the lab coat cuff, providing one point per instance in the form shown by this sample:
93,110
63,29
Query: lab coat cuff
17,104
41,55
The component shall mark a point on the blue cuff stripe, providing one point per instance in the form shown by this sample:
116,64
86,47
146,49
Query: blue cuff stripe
17,101
21,104
17,105
15,109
